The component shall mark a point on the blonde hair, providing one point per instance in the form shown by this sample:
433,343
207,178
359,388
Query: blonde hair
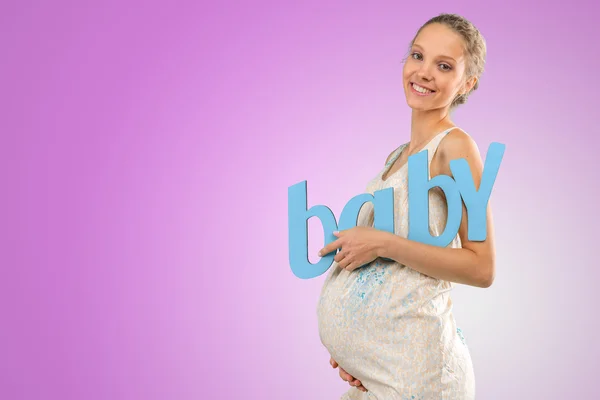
474,45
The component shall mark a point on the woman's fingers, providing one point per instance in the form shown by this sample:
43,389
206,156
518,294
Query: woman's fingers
346,376
350,379
359,385
333,363
340,256
356,383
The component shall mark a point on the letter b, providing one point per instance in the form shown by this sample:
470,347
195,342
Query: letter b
418,202
463,189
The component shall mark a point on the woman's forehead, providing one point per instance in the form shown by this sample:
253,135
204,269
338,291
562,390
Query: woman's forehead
440,40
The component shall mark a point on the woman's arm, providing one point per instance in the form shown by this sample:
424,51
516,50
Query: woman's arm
474,263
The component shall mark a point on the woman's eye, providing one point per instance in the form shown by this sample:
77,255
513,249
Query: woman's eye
445,67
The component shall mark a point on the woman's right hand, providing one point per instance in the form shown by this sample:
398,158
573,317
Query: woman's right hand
347,377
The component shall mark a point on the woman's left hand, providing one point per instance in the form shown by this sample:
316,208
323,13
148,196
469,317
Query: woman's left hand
359,246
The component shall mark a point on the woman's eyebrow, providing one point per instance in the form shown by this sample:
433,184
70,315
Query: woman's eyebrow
443,56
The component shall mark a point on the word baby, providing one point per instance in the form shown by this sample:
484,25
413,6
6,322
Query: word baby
458,190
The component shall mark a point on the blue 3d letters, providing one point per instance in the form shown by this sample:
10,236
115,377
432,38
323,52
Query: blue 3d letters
458,190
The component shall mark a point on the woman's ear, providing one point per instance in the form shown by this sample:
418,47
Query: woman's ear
469,84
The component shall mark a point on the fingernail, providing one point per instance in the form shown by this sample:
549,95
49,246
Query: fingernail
320,254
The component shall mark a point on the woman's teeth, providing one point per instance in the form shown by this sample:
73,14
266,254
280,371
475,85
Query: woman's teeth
421,89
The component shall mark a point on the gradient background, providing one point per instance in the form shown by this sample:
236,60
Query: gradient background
147,148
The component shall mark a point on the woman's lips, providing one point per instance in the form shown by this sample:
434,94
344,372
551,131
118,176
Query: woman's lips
412,89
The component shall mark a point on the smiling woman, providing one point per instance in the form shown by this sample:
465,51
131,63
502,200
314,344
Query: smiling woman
447,68
388,325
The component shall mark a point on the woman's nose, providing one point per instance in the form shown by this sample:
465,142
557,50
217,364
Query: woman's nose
424,72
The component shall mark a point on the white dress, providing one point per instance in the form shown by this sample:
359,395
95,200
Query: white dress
390,326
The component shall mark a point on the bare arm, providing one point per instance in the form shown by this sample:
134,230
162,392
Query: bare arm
474,263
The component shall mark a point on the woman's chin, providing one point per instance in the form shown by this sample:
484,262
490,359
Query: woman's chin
417,107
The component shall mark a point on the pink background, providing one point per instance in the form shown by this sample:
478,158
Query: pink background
146,153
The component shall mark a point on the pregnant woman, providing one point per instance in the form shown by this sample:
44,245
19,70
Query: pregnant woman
385,311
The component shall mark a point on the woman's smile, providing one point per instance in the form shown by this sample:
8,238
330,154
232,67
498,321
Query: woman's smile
420,90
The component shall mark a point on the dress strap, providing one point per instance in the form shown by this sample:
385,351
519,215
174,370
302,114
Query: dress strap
395,155
433,146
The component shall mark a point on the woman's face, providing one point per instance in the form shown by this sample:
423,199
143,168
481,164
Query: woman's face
434,72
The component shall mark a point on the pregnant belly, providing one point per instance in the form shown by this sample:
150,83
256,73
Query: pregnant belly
389,326
354,313
382,306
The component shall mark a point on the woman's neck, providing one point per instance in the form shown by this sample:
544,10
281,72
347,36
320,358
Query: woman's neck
425,125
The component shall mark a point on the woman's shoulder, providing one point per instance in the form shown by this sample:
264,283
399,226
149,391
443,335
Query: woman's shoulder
457,144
